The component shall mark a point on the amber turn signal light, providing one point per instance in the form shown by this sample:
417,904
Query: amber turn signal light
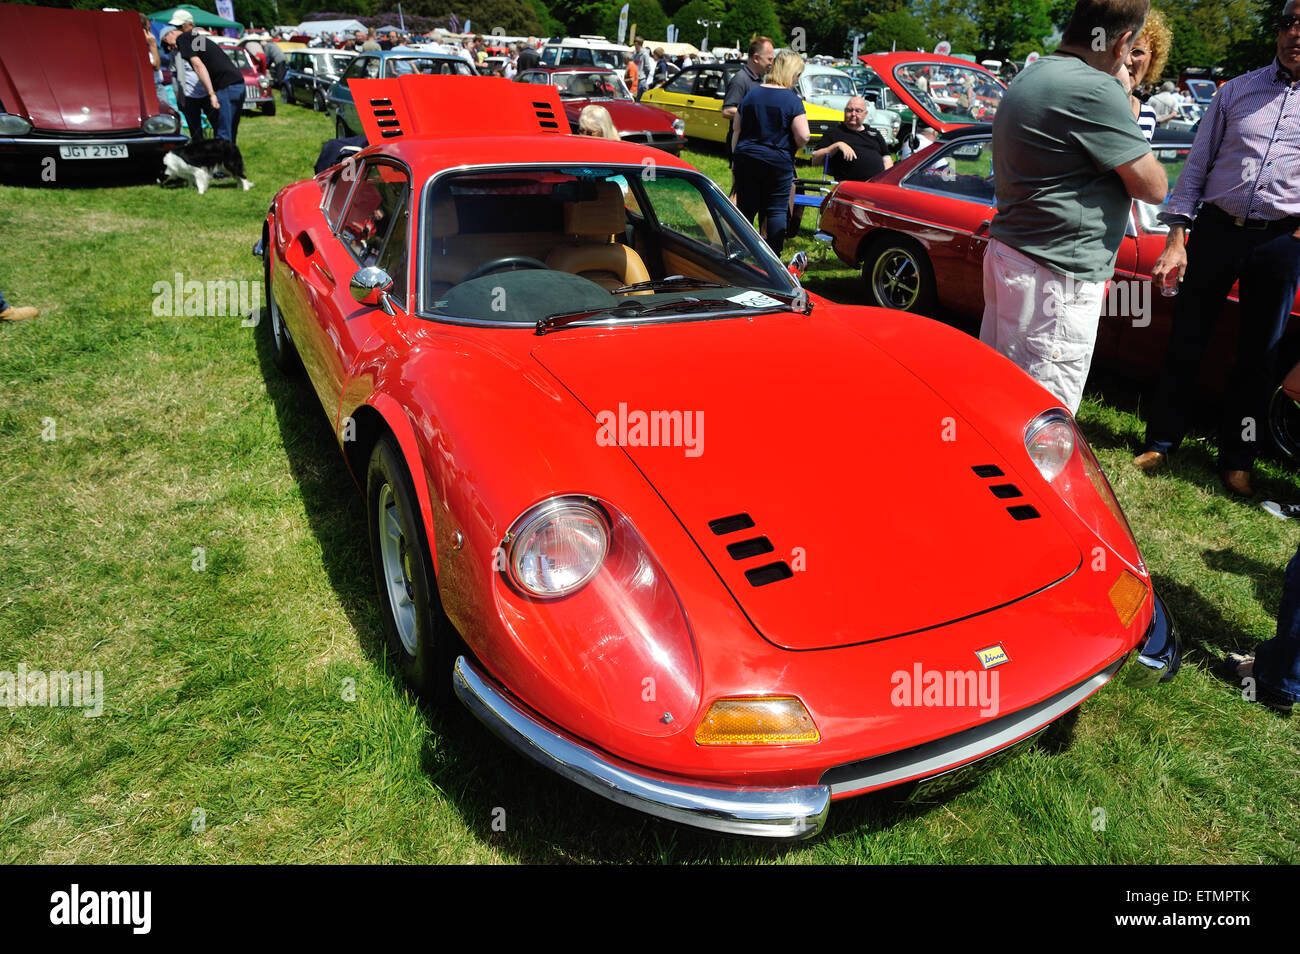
1127,596
757,720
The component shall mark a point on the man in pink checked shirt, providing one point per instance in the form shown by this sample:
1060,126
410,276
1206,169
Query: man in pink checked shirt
1243,171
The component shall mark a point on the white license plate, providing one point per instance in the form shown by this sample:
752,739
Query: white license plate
92,152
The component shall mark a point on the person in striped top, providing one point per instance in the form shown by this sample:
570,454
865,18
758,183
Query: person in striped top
1242,174
1145,63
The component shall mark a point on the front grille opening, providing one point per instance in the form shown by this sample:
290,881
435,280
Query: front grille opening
749,548
772,573
1003,491
1024,512
725,525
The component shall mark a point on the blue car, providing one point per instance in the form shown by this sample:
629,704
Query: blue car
385,65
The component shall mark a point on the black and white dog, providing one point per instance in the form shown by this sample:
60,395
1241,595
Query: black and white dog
199,161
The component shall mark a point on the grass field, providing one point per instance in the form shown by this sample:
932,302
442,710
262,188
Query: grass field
178,517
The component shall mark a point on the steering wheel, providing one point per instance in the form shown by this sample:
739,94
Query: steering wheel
511,261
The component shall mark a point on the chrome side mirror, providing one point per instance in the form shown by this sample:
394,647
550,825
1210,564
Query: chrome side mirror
371,286
798,264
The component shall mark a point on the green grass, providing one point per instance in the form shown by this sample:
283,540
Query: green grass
227,690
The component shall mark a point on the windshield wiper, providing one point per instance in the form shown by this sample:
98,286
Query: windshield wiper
675,281
559,319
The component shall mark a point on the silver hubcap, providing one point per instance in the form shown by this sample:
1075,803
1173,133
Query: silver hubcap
896,279
395,554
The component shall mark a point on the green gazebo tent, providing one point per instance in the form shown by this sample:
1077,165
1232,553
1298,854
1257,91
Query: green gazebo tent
202,18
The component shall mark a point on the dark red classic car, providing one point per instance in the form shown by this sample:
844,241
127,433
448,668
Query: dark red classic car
81,100
634,122
623,478
919,231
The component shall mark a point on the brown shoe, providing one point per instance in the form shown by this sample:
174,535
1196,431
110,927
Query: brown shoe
1148,461
1238,482
16,313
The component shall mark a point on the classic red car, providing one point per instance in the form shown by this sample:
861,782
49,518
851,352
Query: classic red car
634,122
86,104
919,231
257,82
626,486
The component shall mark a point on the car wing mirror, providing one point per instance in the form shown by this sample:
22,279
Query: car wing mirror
798,264
371,286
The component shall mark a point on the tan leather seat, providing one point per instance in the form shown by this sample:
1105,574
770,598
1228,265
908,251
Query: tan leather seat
592,251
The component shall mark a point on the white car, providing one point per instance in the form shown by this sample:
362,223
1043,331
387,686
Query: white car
832,88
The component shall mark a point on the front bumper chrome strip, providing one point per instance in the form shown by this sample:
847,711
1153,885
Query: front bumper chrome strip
784,813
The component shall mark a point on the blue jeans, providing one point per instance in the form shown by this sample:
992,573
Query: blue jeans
3,304
1277,661
1267,262
763,189
195,109
231,99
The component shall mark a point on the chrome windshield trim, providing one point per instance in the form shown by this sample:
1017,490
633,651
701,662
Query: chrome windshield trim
779,813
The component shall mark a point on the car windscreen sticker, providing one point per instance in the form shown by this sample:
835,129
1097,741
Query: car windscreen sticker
753,299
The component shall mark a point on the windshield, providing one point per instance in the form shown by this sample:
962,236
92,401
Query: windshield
333,64
239,57
956,94
590,86
606,58
404,65
829,84
516,246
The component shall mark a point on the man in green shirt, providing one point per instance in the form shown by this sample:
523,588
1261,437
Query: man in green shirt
1068,158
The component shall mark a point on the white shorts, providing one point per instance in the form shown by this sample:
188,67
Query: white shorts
1043,321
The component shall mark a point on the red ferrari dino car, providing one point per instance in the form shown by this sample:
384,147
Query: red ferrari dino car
636,495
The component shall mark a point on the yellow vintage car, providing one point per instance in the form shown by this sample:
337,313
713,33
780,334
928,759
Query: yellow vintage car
696,93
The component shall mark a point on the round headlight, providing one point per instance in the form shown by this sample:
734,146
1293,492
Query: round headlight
263,82
1050,442
679,127
161,124
557,546
11,125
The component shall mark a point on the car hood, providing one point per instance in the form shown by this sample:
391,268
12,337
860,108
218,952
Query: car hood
95,77
856,473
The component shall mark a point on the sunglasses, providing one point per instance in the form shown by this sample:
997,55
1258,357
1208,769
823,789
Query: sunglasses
1286,24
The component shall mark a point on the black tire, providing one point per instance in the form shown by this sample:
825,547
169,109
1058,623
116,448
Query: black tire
286,96
418,636
897,274
340,128
318,102
284,353
268,108
1284,424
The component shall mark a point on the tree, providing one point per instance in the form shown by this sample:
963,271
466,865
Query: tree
646,15
689,30
749,18
897,29
1007,26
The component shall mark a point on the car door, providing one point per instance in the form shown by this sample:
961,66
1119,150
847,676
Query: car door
372,232
678,96
949,212
710,91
